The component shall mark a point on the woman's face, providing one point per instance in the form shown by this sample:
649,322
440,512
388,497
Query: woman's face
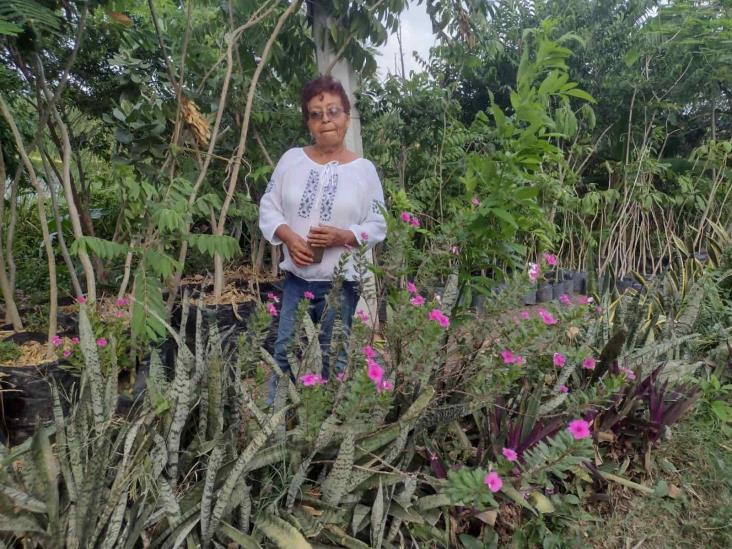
327,121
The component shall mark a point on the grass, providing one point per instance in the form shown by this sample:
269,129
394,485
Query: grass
697,460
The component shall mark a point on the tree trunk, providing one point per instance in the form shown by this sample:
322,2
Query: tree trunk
11,310
41,204
10,239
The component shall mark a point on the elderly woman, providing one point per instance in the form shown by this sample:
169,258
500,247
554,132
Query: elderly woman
321,200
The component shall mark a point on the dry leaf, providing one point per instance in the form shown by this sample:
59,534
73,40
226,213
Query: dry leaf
674,491
311,510
489,517
606,436
199,125
121,18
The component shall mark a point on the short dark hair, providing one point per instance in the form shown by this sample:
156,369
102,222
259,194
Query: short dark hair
320,85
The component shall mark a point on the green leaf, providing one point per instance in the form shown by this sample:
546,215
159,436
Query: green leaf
104,249
575,92
223,245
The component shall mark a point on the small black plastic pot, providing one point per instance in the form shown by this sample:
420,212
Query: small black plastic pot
579,282
529,298
544,294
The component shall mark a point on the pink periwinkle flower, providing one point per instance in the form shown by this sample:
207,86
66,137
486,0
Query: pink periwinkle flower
369,352
563,389
579,428
508,357
559,360
547,317
455,250
417,301
414,222
271,309
439,317
524,315
81,299
364,236
102,342
564,299
520,361
589,363
630,374
308,380
56,341
534,272
509,454
375,372
122,302
475,201
341,376
362,316
273,297
67,353
405,217
550,259
384,385
309,295
584,300
74,340
493,481
411,288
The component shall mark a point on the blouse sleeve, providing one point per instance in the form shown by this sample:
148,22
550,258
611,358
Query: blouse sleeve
371,228
271,212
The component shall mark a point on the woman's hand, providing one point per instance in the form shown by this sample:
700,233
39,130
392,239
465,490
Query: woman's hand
300,253
325,236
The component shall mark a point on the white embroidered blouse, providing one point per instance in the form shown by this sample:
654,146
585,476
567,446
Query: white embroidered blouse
303,193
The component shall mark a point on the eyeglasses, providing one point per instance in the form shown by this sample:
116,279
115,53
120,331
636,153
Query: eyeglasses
332,112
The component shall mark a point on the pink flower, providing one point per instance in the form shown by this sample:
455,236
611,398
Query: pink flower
81,299
101,342
524,315
559,360
75,340
439,317
589,363
309,295
534,272
56,341
630,374
508,357
414,222
384,385
520,361
362,316
417,301
455,250
550,259
564,299
474,201
67,353
369,352
122,302
493,481
271,309
547,317
405,217
364,236
341,376
375,372
348,247
273,297
308,380
584,300
579,428
509,454
411,288
563,389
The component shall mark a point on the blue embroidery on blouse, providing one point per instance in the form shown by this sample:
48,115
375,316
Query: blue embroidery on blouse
377,206
326,206
309,195
270,186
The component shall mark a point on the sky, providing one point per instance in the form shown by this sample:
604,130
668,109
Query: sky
416,35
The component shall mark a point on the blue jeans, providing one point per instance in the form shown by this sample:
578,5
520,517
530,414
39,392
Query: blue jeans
293,293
